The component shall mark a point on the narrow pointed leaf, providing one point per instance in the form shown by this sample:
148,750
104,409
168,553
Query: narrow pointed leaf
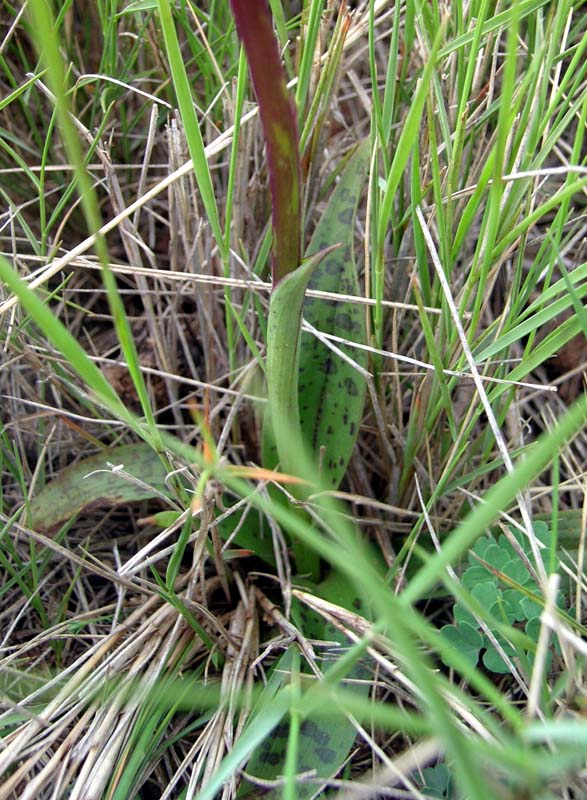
283,347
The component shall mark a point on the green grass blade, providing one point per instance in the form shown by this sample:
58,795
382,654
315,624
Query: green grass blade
65,343
47,43
190,120
405,144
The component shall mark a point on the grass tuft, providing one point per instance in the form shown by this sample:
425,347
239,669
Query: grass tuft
180,616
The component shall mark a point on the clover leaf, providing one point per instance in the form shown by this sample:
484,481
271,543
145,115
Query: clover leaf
465,638
499,581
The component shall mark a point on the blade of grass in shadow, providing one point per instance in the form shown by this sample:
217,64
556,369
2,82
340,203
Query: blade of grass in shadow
66,344
190,121
241,84
405,144
47,44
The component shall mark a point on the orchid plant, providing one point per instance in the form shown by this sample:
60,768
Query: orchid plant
304,374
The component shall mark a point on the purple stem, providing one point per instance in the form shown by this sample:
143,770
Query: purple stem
278,118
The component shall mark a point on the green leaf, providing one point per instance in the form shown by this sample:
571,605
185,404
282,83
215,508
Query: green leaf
331,391
533,631
496,556
503,609
514,599
475,575
465,638
516,570
322,746
92,484
506,545
485,593
494,662
437,782
283,351
461,614
529,608
542,531
480,547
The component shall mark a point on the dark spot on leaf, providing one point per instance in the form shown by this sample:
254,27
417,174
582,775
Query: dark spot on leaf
344,321
351,386
345,217
317,246
326,754
352,428
331,265
330,367
281,731
314,732
330,430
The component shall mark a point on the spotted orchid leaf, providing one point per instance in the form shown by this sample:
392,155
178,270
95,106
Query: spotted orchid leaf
124,474
331,390
322,746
